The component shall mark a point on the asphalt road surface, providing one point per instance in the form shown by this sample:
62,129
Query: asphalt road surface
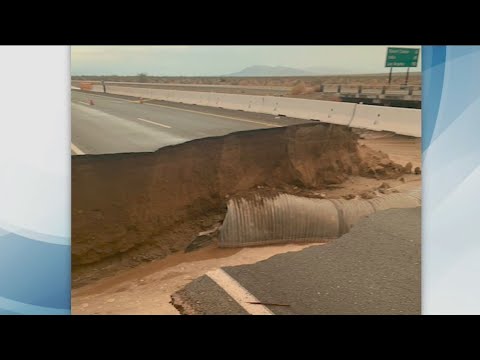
118,124
374,269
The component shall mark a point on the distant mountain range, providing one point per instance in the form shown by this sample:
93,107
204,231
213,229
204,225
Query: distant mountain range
263,70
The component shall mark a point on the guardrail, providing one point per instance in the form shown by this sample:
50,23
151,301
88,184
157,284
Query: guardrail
380,118
385,90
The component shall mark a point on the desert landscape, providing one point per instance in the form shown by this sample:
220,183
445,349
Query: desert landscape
305,87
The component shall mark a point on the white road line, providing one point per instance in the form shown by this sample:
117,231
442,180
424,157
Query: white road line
196,112
238,293
76,150
215,115
83,102
154,123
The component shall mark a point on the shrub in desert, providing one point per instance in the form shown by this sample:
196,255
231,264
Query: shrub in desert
299,88
142,78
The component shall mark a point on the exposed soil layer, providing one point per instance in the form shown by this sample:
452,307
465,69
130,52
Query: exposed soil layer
142,206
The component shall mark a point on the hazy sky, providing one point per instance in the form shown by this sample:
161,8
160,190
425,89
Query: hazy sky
221,60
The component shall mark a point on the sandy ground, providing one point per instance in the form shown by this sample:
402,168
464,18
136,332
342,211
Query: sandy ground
400,149
147,288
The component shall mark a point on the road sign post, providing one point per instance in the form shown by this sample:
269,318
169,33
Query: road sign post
401,57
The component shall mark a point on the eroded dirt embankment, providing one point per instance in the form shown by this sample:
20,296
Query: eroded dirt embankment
157,201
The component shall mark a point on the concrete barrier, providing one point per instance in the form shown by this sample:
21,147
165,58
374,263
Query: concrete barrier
332,112
97,88
325,111
137,92
381,118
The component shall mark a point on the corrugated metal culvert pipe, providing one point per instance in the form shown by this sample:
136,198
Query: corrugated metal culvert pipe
287,218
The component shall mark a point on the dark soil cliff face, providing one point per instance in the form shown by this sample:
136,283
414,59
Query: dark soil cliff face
121,202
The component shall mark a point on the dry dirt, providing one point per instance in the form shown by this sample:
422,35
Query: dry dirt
398,78
133,208
400,149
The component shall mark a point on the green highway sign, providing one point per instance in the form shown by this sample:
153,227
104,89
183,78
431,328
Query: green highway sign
402,57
